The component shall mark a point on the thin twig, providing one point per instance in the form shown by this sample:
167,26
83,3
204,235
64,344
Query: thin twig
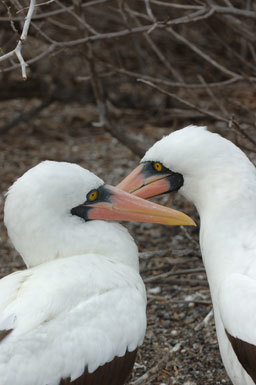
219,104
187,103
56,11
231,122
189,282
154,369
36,5
81,20
205,321
104,120
172,273
149,11
170,252
230,10
197,50
166,82
17,50
24,117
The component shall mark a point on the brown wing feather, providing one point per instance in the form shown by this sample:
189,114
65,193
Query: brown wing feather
246,354
4,333
114,372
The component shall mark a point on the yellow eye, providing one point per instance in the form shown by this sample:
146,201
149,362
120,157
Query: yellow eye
157,166
92,195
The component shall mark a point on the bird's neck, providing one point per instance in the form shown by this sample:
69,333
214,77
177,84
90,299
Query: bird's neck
228,235
72,237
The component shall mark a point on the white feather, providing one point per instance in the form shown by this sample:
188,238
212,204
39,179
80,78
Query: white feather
70,313
237,306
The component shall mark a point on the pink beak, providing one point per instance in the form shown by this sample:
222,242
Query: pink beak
126,207
142,187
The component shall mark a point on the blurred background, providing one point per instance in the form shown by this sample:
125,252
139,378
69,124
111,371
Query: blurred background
105,80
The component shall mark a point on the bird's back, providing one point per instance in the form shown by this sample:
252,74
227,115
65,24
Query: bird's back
69,316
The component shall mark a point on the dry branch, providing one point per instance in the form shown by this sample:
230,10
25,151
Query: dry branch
230,122
22,39
26,116
158,277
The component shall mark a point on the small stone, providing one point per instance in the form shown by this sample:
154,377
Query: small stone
182,316
196,346
154,290
166,324
190,297
176,347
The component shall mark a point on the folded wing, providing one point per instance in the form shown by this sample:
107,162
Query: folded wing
72,314
238,312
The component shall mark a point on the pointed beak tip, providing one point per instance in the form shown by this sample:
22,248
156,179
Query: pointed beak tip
186,220
181,219
190,222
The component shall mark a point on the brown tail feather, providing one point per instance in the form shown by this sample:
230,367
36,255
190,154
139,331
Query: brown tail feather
115,372
4,333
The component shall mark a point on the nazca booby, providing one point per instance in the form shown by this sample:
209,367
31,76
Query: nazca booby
77,314
220,180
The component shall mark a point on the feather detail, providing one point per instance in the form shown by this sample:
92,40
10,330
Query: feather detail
114,372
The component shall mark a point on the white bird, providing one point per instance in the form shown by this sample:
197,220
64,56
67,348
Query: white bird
220,180
77,314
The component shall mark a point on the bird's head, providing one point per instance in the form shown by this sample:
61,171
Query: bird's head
59,209
203,166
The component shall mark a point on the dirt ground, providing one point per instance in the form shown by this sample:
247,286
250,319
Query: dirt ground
179,348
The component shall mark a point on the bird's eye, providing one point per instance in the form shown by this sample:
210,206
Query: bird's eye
92,195
157,166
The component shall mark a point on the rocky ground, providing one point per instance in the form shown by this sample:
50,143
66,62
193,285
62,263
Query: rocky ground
180,347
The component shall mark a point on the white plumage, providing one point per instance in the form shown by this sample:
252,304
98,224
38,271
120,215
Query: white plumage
221,181
81,302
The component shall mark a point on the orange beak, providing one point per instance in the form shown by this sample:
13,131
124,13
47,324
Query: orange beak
121,206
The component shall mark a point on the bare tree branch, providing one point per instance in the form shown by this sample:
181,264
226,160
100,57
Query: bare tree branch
203,54
231,121
57,11
17,50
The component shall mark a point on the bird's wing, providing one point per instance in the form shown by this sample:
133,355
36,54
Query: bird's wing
237,300
9,291
67,315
